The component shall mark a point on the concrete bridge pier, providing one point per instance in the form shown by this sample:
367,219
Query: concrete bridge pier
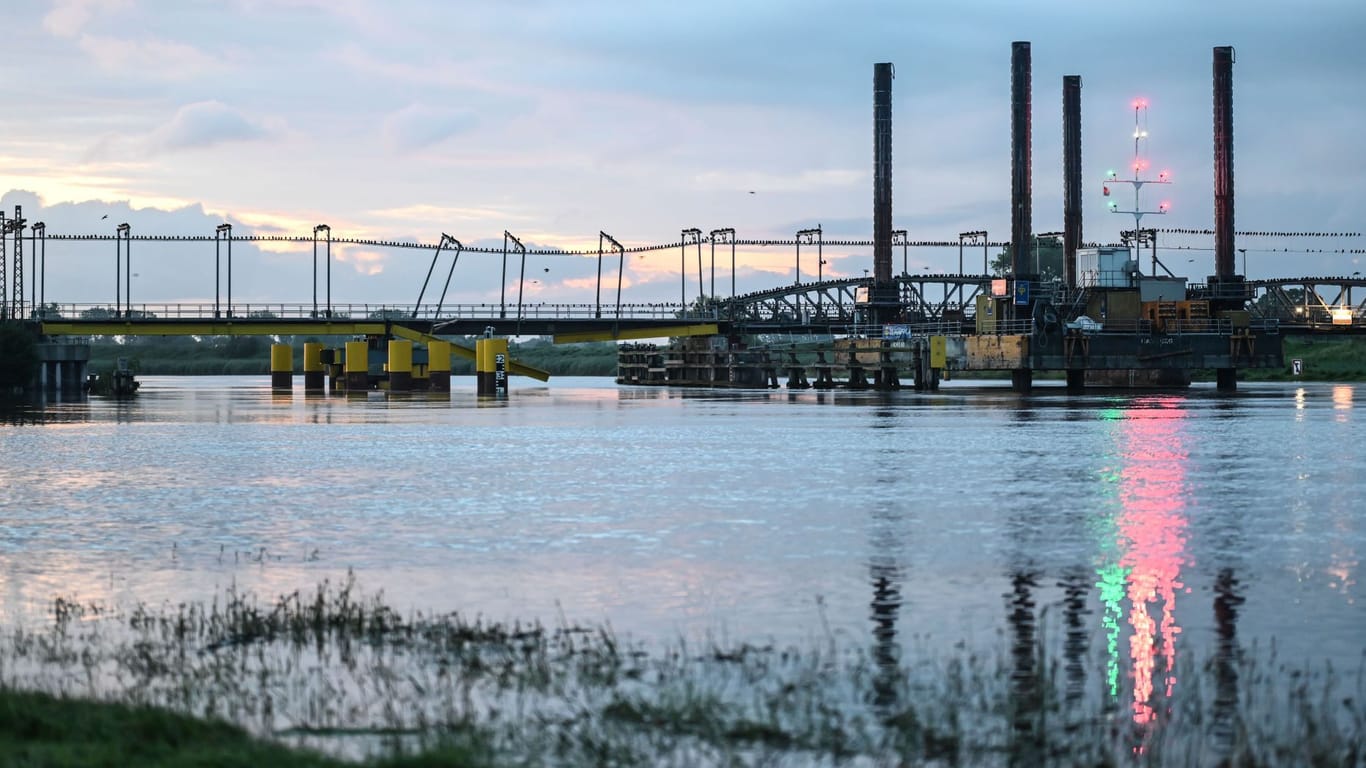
886,376
926,374
796,373
356,368
62,368
400,365
439,365
281,367
824,377
491,379
858,379
313,367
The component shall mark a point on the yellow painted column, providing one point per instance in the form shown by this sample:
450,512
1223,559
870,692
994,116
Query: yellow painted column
313,366
357,366
500,367
439,365
281,366
493,367
482,367
400,365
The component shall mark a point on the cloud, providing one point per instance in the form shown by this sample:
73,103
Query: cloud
146,57
365,262
803,181
161,59
68,17
204,124
418,126
435,215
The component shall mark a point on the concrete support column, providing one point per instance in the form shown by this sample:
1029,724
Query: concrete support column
281,366
357,366
313,367
439,365
491,367
400,365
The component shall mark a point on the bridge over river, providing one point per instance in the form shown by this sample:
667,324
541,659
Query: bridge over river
1308,304
917,308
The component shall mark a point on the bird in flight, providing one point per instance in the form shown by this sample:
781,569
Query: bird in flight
104,217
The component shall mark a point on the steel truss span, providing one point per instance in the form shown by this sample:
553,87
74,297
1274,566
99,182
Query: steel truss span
1311,304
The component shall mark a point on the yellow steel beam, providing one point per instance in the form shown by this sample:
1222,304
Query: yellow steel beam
514,367
708,329
213,328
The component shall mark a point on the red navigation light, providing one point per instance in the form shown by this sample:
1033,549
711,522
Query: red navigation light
1105,190
1140,102
1164,176
1163,207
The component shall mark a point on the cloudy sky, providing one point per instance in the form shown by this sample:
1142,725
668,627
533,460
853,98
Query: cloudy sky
554,120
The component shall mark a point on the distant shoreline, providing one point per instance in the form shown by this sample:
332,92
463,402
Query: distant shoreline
1322,359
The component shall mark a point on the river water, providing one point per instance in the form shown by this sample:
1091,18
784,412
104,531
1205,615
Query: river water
1145,525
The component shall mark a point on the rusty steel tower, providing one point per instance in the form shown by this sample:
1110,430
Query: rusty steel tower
882,173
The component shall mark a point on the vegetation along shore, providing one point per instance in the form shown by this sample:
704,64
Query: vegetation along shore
331,674
1323,359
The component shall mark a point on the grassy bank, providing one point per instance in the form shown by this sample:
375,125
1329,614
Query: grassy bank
1324,358
42,730
344,673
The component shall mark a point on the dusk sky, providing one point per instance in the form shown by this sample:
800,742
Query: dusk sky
554,120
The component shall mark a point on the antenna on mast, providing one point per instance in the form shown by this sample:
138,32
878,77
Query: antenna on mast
1139,236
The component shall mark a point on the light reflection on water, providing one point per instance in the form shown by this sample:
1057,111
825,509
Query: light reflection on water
1151,527
758,515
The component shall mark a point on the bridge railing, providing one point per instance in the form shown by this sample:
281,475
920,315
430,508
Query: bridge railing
362,312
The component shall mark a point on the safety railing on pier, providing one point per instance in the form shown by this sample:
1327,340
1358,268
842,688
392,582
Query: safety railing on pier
919,330
1143,327
1191,326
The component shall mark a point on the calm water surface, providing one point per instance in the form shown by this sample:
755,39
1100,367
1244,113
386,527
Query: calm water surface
1151,524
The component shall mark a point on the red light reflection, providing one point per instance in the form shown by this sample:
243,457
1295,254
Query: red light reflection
1152,538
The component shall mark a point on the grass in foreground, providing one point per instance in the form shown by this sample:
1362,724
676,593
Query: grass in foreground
350,676
37,729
